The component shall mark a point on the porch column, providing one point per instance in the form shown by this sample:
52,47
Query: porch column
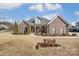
40,28
47,30
35,29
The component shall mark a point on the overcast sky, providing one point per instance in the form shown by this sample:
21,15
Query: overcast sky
18,11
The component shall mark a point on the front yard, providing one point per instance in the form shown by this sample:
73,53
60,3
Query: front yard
25,45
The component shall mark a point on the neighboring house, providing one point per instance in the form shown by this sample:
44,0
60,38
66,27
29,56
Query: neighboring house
75,28
72,29
77,25
57,26
3,27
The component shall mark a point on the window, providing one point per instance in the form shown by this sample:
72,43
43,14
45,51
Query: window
62,30
53,30
33,21
37,21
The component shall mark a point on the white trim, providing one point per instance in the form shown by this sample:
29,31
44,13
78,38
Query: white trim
55,18
52,19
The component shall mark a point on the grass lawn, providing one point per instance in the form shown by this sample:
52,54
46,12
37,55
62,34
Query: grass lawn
24,45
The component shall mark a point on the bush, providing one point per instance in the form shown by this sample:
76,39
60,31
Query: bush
54,34
64,34
39,33
74,34
36,34
43,34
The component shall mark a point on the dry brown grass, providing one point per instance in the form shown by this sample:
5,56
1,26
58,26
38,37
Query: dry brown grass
24,45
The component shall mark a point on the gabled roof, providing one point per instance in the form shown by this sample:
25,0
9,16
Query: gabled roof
61,18
43,21
25,22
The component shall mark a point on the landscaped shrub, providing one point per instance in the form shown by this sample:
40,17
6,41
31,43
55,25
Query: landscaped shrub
54,34
39,33
63,34
74,34
46,34
36,33
43,34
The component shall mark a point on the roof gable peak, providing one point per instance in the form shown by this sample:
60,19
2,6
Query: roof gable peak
60,17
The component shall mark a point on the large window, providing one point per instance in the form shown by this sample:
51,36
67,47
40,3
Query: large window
37,21
62,30
53,30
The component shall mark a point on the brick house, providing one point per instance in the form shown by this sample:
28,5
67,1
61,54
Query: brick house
57,26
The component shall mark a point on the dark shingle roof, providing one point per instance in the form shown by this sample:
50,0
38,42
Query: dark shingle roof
43,21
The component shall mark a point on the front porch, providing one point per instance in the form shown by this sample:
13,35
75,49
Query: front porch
39,30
